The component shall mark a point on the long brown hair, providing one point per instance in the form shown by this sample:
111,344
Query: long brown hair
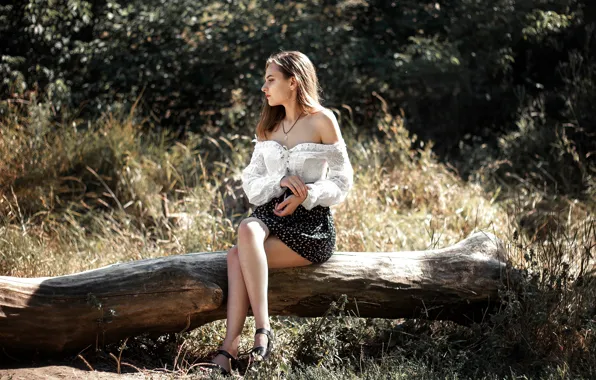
292,64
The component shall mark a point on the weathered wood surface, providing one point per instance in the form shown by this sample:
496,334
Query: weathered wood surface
176,293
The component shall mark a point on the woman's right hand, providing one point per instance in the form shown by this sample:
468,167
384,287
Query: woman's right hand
295,184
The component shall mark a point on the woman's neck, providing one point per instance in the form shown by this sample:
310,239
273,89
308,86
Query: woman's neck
293,112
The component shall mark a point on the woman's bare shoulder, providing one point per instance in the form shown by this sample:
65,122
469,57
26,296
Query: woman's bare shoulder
320,110
327,125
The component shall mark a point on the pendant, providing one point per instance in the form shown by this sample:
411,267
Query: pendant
286,138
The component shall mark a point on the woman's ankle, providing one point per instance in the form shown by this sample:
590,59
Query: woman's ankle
266,325
230,347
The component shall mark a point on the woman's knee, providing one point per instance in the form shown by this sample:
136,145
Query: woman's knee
249,228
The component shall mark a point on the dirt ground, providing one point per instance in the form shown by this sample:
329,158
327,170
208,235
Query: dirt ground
74,368
56,372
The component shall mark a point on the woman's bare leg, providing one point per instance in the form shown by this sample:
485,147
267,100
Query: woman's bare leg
252,233
258,253
237,308
278,255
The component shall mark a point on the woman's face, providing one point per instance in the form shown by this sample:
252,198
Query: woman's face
277,89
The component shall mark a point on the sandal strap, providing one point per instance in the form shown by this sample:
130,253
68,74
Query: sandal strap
227,355
263,330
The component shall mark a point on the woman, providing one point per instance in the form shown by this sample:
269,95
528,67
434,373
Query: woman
292,225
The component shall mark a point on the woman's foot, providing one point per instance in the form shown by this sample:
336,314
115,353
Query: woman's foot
263,344
224,361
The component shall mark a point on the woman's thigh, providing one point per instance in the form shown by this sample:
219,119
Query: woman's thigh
279,255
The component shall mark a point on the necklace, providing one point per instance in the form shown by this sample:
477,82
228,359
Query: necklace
284,129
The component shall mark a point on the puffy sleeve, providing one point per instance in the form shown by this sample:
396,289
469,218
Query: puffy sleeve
259,186
333,189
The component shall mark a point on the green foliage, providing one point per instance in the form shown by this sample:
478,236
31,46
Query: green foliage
194,59
547,153
542,23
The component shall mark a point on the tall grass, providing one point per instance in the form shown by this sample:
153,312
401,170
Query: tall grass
80,196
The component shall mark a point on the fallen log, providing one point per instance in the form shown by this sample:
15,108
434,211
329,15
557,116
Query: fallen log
176,293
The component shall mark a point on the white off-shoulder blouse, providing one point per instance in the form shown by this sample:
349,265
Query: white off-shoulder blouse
324,168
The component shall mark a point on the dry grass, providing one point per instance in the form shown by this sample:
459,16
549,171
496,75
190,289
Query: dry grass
77,197
149,195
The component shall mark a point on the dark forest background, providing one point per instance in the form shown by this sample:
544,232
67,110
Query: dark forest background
486,81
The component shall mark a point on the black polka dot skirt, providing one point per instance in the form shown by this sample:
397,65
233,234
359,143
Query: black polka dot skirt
310,233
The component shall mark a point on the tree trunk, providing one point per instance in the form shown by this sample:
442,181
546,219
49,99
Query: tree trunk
176,293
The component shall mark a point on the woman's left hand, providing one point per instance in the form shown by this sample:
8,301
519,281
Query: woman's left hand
288,206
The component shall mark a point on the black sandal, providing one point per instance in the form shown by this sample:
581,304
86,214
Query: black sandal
261,353
225,372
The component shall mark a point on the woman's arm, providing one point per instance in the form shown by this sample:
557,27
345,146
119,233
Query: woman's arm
334,189
258,186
